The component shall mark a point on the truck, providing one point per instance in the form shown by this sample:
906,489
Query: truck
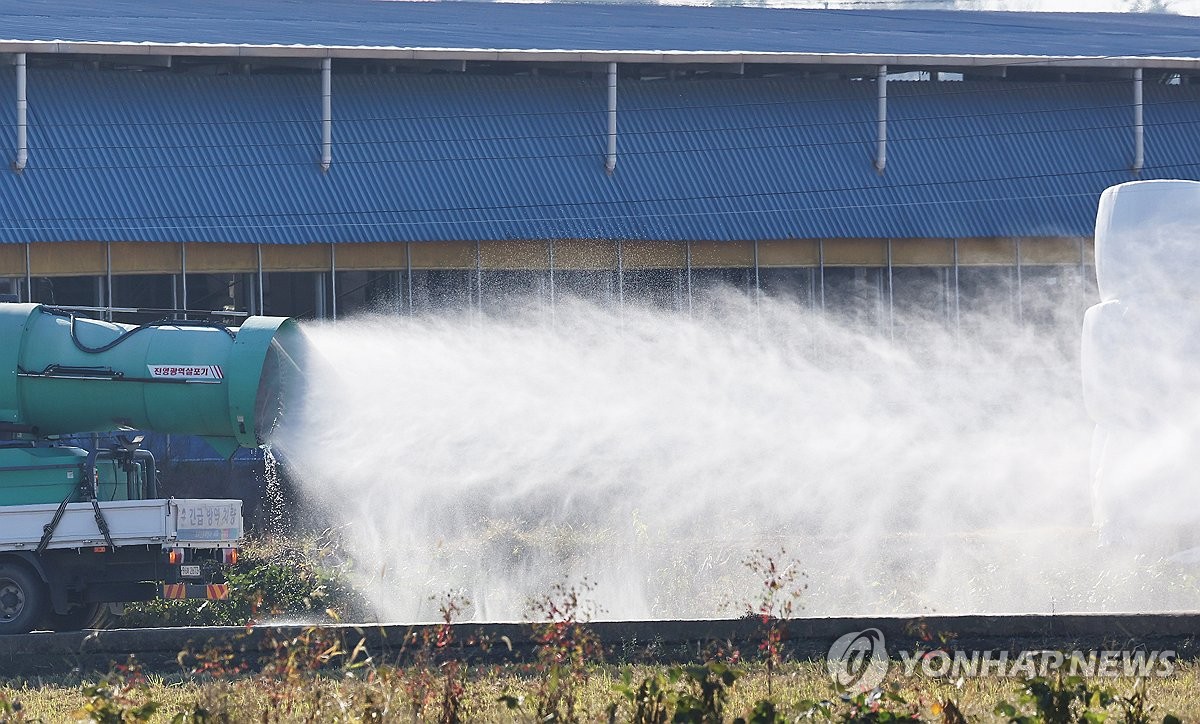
84,531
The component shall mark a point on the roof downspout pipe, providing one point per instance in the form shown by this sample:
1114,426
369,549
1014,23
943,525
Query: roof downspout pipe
881,122
610,160
1139,129
326,113
22,116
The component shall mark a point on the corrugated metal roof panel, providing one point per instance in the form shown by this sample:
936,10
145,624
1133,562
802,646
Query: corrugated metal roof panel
601,26
179,157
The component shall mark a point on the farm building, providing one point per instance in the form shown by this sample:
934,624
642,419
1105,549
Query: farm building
317,159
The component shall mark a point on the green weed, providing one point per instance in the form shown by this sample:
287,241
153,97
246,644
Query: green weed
565,647
1063,699
782,584
121,697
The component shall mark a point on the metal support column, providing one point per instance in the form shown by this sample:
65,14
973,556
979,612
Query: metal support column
22,115
957,299
620,275
1139,129
946,291
396,289
326,113
108,297
757,276
757,295
408,274
479,279
262,294
610,159
1020,287
28,276
333,280
812,289
183,273
881,120
821,271
891,294
687,253
551,265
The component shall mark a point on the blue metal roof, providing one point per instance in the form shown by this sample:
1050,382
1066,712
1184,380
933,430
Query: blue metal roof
184,157
572,26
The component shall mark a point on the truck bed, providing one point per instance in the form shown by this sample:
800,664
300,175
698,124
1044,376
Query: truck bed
174,522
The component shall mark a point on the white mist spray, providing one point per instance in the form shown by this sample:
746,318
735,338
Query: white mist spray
653,453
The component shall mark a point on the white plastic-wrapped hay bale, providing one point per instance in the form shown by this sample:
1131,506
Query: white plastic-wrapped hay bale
1140,359
1146,239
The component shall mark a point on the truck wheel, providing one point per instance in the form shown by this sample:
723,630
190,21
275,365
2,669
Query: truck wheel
22,599
85,615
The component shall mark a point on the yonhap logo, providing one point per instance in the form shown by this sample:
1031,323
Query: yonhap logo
858,660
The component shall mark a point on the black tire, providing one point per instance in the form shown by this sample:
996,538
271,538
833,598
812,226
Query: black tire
84,615
23,599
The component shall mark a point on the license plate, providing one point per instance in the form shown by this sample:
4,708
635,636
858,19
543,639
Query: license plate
189,571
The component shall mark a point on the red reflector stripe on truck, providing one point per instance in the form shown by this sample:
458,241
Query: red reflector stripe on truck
211,591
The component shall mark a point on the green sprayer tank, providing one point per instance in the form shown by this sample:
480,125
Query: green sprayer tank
65,374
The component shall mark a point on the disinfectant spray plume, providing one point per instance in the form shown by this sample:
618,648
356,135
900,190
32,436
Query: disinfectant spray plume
653,452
